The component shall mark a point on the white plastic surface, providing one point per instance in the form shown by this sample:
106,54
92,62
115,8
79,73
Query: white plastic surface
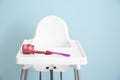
77,56
51,32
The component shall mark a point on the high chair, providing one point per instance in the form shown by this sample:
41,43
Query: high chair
52,35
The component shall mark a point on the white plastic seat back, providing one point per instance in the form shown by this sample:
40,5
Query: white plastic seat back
51,33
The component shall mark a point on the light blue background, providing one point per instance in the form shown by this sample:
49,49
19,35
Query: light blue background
96,23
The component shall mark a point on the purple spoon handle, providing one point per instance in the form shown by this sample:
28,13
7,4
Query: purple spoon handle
67,55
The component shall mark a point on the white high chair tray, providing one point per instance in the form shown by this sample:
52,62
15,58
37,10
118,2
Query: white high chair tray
77,56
